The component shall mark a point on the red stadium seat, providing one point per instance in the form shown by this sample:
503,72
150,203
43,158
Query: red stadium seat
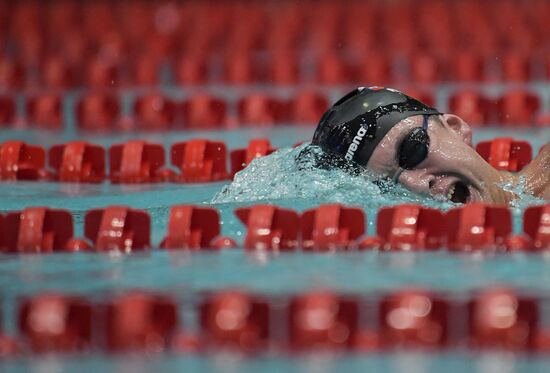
146,71
269,227
518,108
37,230
410,227
45,111
56,323
476,226
154,112
536,224
234,320
136,162
332,227
21,161
12,74
413,318
500,318
118,228
323,321
7,110
200,161
307,107
240,158
471,106
193,227
140,322
506,153
78,161
102,74
261,109
203,112
98,112
190,70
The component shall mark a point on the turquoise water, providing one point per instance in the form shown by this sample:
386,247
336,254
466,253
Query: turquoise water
272,179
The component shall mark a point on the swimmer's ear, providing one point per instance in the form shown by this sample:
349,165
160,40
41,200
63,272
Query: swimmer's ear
459,126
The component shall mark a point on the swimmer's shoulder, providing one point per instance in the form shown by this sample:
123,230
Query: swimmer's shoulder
537,174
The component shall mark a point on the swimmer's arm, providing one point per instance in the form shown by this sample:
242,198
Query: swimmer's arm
537,174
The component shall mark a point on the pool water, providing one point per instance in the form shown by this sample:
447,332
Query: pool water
184,275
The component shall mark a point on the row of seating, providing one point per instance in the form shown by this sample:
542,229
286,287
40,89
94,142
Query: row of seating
197,160
327,228
282,68
99,111
117,30
245,322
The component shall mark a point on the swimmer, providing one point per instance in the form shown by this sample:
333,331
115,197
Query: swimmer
400,139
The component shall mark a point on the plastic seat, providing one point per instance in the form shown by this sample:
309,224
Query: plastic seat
500,318
118,228
518,108
146,72
57,73
410,228
154,112
194,227
536,224
204,112
21,161
506,153
140,321
239,68
240,158
307,107
136,161
332,227
471,106
98,112
375,69
269,227
102,74
323,321
56,323
37,230
199,161
477,226
467,66
284,69
413,318
260,109
7,110
234,320
425,69
78,161
45,111
515,67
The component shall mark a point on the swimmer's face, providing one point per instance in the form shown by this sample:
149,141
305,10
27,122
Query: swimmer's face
452,170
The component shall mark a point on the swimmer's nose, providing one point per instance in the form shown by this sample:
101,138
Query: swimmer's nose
417,181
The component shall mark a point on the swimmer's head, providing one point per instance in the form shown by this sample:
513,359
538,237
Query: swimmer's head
399,138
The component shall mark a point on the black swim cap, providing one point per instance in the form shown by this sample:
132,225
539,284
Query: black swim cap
355,124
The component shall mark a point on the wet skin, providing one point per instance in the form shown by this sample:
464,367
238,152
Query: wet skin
453,170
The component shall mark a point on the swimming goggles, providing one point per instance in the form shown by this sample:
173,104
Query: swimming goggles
413,149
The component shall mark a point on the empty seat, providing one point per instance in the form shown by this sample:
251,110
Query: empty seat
307,107
518,108
515,67
260,109
146,71
284,69
191,70
467,66
12,74
425,68
240,68
98,112
118,228
333,69
375,69
57,73
102,74
45,111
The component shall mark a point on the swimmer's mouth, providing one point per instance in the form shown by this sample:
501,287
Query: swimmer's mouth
459,193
